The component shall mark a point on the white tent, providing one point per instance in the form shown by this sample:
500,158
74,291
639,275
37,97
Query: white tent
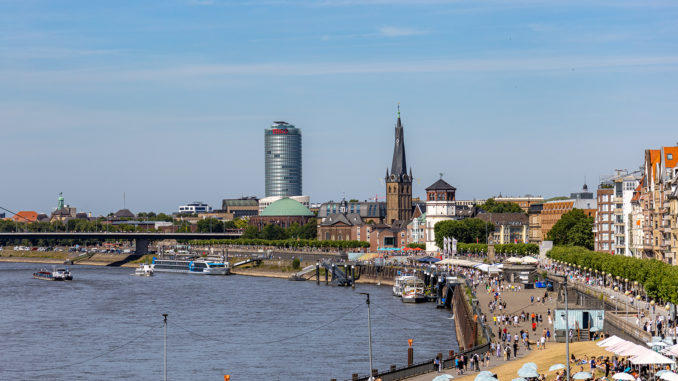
612,340
456,262
651,357
671,351
529,260
627,348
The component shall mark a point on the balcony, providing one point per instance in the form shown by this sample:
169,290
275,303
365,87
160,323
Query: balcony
617,200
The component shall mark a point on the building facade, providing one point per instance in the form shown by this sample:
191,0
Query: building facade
524,202
282,160
508,227
243,207
534,223
369,211
195,207
440,206
612,229
283,213
398,182
552,211
604,227
652,219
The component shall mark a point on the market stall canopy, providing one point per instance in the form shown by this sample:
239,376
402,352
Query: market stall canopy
457,262
612,340
428,260
651,357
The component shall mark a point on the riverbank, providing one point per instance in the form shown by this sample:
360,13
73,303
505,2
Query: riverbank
280,268
59,258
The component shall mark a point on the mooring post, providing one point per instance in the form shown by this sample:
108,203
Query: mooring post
326,277
354,377
410,353
317,273
353,276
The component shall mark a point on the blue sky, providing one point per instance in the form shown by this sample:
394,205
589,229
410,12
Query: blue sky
166,101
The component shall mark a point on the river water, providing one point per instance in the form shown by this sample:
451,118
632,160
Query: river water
107,324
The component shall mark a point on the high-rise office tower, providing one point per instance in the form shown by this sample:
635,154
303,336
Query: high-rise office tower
282,148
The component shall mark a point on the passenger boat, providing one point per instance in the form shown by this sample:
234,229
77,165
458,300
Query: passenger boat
398,284
55,274
144,270
196,266
64,273
413,290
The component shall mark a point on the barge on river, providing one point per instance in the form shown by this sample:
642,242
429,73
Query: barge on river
192,266
55,274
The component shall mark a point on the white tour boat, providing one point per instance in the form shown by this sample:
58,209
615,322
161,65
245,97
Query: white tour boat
413,290
144,270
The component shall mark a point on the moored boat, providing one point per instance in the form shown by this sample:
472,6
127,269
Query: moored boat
63,273
413,290
197,266
398,284
144,270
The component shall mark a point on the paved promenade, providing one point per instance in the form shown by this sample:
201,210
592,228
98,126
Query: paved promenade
516,303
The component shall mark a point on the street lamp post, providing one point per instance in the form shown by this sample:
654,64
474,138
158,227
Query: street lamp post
369,332
652,324
567,333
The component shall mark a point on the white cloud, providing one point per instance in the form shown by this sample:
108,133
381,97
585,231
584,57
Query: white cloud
393,31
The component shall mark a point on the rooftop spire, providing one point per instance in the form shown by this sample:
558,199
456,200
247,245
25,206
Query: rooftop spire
399,164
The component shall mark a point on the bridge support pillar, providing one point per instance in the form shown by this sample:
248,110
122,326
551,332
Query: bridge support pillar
141,246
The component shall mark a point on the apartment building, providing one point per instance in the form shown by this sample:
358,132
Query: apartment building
613,219
653,220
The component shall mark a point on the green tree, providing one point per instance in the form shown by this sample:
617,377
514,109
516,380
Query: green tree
309,230
251,232
208,225
470,230
273,232
492,206
240,223
573,228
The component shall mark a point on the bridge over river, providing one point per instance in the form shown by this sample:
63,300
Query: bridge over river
141,239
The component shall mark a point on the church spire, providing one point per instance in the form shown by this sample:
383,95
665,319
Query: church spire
399,164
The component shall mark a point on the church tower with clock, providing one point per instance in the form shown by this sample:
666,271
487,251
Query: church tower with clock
398,182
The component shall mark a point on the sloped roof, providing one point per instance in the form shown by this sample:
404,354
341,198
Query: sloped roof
124,213
673,151
441,185
286,207
26,216
350,219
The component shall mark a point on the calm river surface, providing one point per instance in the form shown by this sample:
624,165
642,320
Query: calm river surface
249,327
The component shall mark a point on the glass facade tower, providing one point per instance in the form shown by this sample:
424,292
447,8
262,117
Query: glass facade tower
282,148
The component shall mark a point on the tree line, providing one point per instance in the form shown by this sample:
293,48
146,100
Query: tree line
284,243
659,279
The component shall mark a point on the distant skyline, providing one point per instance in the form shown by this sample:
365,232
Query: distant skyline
166,101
